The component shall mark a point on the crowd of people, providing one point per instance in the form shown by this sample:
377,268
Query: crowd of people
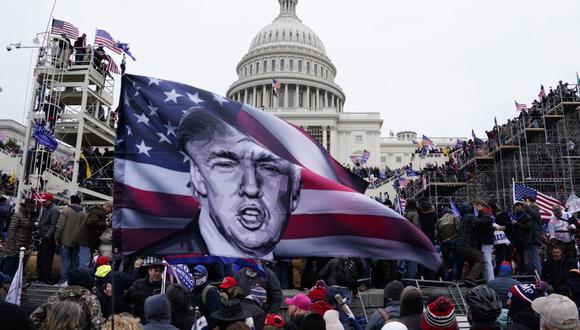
93,285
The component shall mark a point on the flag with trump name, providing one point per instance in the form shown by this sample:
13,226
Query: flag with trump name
199,173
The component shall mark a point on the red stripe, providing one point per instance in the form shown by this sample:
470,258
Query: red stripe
311,180
380,227
155,203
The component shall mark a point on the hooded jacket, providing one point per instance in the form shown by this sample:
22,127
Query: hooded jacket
68,224
158,313
427,219
138,292
411,308
91,227
48,220
19,233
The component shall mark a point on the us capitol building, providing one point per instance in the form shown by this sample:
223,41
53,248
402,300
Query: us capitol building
290,52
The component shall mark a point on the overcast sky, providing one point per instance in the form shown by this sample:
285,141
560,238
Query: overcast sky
437,67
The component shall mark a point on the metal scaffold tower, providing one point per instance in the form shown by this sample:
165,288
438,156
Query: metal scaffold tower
72,102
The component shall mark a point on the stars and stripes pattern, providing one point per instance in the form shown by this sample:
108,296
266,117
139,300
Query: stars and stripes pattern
103,37
426,141
521,106
111,65
61,27
153,200
545,202
275,87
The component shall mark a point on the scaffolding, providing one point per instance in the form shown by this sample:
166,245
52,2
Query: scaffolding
540,149
72,100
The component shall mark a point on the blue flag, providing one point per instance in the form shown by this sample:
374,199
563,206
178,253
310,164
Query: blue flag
44,137
125,48
184,277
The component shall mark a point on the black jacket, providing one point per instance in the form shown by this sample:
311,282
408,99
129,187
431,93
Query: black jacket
523,318
467,235
534,213
484,228
270,283
556,272
212,303
523,231
48,221
123,282
138,292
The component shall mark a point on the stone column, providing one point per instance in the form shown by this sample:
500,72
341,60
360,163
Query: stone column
326,99
254,98
324,137
332,101
245,96
317,98
308,96
297,96
264,96
285,95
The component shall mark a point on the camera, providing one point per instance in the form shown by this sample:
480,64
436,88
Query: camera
9,47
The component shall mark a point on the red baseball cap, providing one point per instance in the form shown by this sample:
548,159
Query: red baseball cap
46,197
102,260
228,282
275,320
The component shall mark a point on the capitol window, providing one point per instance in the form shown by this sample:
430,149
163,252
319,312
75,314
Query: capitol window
307,67
299,65
316,69
383,159
265,66
291,65
290,34
251,69
358,139
273,65
398,159
282,65
283,33
257,67
245,71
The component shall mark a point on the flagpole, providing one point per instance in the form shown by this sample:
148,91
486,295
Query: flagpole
48,23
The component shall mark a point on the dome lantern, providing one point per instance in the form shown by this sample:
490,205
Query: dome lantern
288,7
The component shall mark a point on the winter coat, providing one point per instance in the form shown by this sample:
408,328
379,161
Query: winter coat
256,312
90,307
446,227
523,231
48,221
556,272
69,222
270,283
571,289
534,213
123,282
467,235
501,284
158,313
523,318
91,227
138,292
484,227
212,302
13,317
182,321
376,322
427,220
19,233
413,216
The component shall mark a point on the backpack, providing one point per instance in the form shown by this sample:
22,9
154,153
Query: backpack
223,296
346,272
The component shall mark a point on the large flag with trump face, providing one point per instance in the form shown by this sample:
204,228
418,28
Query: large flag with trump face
198,173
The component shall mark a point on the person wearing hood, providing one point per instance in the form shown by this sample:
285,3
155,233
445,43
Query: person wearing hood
205,296
80,285
142,289
466,245
412,215
158,313
446,229
247,278
521,314
533,210
523,232
392,309
484,229
411,308
253,305
503,282
104,287
69,222
427,219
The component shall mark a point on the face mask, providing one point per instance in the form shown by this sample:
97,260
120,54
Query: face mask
251,273
199,281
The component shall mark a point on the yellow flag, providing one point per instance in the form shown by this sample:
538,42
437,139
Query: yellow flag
12,178
87,167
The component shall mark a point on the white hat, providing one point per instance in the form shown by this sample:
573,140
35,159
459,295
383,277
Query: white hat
557,310
394,325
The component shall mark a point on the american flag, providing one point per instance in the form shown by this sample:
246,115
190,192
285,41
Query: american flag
153,200
520,106
427,141
400,205
542,93
545,202
275,87
61,27
111,65
104,38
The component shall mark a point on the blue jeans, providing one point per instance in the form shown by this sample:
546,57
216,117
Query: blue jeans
69,260
85,257
331,291
536,262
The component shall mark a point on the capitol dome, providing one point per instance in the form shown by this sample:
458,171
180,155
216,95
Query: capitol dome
291,53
